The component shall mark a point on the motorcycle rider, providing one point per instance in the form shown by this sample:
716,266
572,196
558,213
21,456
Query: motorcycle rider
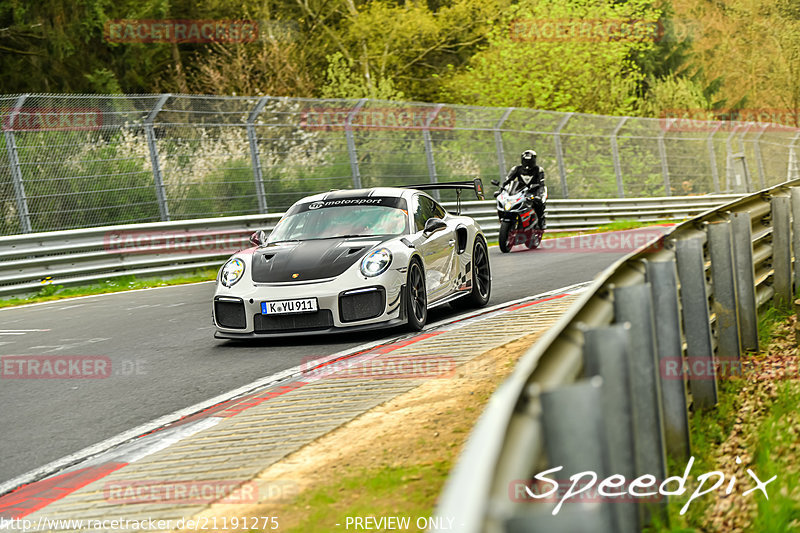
530,176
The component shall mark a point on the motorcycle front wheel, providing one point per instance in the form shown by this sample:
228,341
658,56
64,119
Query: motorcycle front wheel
534,239
504,238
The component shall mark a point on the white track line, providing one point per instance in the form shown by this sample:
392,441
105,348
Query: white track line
62,301
126,436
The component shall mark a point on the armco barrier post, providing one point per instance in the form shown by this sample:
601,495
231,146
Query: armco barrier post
720,248
694,302
351,143
426,137
662,154
782,252
663,279
498,143
742,232
572,424
615,155
562,169
606,355
158,180
759,158
255,158
795,196
13,163
712,158
634,304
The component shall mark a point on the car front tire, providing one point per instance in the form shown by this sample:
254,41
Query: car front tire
416,297
481,276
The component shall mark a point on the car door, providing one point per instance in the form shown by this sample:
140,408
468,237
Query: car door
438,249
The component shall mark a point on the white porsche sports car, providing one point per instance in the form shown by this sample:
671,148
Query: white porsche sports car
354,260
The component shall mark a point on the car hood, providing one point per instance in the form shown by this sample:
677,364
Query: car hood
309,260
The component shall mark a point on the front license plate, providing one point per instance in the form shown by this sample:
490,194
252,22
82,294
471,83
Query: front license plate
287,307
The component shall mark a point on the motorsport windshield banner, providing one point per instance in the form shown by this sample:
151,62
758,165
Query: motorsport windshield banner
381,201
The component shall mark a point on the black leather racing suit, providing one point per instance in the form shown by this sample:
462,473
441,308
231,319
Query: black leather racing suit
533,180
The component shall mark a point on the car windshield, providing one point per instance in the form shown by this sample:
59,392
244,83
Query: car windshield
340,221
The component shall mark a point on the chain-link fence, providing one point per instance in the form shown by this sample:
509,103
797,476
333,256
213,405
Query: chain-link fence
72,161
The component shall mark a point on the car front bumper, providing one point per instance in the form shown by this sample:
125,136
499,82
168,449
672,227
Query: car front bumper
365,303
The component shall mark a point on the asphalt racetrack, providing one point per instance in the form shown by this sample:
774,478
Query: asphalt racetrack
164,358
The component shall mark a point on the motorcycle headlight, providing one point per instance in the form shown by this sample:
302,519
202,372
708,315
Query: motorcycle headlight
231,272
376,262
508,206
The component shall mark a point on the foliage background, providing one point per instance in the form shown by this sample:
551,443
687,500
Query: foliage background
705,55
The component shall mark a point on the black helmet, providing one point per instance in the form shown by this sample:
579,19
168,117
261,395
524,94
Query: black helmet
528,159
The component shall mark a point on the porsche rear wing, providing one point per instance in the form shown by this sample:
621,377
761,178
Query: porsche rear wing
476,185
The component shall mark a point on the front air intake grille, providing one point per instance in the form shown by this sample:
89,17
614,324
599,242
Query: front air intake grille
322,319
230,313
362,304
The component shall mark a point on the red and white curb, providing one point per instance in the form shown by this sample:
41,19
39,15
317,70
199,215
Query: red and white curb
37,489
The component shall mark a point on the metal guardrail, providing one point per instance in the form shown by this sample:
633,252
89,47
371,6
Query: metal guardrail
598,393
83,256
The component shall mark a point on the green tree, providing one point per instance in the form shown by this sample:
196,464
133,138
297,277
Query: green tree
524,65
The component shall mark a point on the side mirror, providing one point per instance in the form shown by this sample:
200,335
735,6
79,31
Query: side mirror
258,238
495,183
496,194
433,225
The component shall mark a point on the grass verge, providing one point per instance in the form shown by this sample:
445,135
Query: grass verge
755,426
124,283
619,225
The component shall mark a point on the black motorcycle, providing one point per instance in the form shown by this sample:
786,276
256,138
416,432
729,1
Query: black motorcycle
516,208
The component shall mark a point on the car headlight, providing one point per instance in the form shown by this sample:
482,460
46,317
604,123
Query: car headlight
231,272
376,262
